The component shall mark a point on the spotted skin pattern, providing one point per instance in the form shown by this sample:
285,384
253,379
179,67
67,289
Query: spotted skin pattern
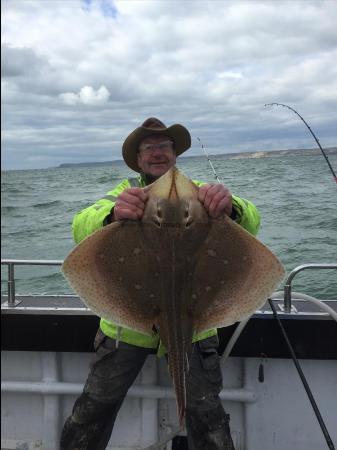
176,270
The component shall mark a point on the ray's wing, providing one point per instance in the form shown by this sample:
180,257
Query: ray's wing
111,271
234,276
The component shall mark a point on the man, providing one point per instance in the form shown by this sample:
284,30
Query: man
151,150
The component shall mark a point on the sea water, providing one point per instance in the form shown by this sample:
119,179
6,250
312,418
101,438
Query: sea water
296,196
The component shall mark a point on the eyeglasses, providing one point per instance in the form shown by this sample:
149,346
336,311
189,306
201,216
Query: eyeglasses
164,146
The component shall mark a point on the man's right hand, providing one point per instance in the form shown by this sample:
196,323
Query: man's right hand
130,204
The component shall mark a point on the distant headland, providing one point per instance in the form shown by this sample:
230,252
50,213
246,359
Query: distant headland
242,155
91,163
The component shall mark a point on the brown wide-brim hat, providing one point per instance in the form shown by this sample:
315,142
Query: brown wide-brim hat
152,126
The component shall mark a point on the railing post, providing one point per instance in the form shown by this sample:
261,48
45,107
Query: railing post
11,263
11,285
293,273
287,298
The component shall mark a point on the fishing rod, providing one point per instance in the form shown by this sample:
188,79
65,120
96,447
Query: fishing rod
303,379
210,162
313,134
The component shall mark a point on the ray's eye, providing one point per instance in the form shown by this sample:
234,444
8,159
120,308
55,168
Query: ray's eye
187,218
157,218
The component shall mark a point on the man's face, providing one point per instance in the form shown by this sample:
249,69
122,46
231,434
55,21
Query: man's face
156,155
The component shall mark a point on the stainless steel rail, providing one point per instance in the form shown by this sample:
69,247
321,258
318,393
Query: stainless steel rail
11,263
291,276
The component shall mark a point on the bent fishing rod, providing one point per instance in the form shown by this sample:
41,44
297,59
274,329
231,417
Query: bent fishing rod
313,134
303,379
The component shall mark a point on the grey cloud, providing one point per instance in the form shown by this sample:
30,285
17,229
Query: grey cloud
21,61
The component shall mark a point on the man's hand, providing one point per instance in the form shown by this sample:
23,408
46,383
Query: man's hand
130,204
216,199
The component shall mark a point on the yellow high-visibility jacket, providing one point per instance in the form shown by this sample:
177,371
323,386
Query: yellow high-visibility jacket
96,216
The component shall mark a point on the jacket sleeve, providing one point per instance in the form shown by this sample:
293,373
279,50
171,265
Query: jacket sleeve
94,217
246,213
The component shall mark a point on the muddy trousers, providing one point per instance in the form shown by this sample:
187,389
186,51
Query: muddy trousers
112,374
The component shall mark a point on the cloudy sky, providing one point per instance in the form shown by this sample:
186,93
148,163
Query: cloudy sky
79,75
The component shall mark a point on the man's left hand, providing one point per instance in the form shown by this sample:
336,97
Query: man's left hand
216,199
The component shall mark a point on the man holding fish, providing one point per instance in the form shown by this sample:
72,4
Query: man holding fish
151,150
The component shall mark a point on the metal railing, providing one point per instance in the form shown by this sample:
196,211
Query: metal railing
291,276
11,263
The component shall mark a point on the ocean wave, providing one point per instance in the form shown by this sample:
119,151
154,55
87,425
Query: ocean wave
327,223
11,190
15,187
8,208
47,204
104,179
57,275
24,233
112,180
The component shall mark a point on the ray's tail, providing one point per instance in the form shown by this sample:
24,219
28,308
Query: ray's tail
178,370
177,341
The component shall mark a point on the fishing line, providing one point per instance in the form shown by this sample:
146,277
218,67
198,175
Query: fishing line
210,162
313,134
242,324
303,379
